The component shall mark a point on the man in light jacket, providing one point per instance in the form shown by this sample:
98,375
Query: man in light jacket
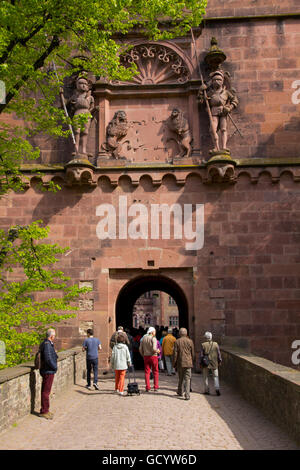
211,349
148,349
183,361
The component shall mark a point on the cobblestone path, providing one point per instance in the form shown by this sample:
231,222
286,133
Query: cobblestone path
102,420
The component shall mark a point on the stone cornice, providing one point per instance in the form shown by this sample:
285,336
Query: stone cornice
251,17
240,163
216,172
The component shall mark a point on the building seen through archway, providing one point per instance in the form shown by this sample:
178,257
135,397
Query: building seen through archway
151,300
155,308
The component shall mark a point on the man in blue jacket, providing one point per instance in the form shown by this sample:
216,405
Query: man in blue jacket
47,371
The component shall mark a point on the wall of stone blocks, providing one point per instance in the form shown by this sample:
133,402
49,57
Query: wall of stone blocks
20,386
225,8
273,388
263,60
245,286
264,65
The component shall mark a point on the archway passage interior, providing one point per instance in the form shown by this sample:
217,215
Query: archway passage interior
138,286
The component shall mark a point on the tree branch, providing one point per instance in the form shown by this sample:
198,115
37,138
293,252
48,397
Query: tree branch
22,41
37,65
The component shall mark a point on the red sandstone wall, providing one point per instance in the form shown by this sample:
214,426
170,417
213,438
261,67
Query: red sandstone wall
221,8
263,59
246,280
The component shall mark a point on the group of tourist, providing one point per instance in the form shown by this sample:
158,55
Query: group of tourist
178,355
171,353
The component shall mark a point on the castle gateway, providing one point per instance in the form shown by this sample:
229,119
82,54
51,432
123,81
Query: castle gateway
185,184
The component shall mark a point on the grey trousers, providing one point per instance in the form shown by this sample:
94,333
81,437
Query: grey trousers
215,374
169,360
184,381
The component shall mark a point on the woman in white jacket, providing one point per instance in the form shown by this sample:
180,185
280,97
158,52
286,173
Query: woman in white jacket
120,361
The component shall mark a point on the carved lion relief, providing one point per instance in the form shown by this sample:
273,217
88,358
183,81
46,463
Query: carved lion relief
116,130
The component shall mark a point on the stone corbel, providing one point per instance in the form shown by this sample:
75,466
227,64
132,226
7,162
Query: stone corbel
220,169
80,172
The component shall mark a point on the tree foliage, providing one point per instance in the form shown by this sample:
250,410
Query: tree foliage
33,292
76,35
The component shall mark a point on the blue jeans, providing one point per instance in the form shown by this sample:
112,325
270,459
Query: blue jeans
169,365
92,364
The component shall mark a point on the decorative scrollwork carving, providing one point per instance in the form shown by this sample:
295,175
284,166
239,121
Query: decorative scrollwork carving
156,64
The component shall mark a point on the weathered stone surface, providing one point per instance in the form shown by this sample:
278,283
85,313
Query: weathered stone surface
20,387
250,256
245,284
86,304
273,388
214,423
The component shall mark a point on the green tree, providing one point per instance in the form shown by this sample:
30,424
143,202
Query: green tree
34,33
33,292
76,35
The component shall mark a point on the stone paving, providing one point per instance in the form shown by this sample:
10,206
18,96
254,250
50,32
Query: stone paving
101,420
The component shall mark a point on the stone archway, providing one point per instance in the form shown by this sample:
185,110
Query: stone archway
137,286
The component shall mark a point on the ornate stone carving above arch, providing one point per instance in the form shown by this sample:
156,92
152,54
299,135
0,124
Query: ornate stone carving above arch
164,82
158,63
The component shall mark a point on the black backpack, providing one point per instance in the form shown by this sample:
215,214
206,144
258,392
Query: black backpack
205,358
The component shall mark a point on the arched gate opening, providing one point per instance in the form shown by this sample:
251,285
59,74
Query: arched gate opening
129,294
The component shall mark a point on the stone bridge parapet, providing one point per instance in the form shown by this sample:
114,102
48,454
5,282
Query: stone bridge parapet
271,387
20,386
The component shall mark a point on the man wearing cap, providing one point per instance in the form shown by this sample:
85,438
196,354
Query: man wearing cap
168,349
183,362
211,349
148,349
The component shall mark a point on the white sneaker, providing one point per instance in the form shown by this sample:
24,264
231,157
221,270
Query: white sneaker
116,391
121,393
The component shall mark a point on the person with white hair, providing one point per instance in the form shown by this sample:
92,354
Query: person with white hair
47,370
210,359
150,352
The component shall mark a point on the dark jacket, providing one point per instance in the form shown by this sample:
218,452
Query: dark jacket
184,352
48,358
113,339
